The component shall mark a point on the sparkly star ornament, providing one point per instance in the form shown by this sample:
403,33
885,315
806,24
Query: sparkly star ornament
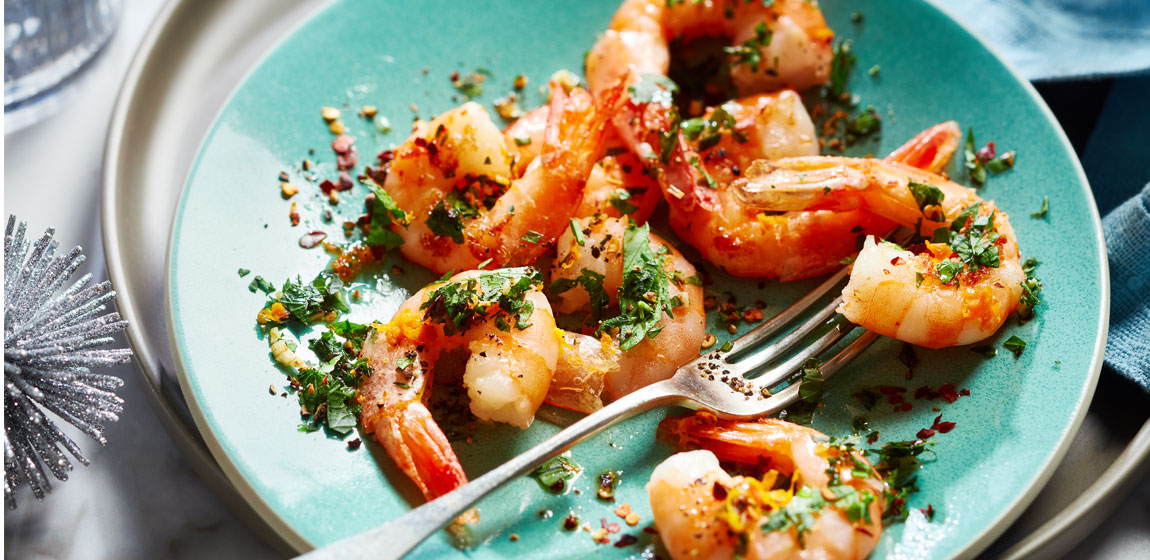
51,340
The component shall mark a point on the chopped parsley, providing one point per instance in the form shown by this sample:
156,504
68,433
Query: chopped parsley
973,239
1015,345
798,513
243,272
578,233
947,269
987,351
865,122
555,474
1001,163
592,282
258,283
383,212
496,294
750,52
326,393
1031,287
645,293
446,218
532,237
844,61
926,196
970,159
618,199
708,131
898,463
1042,212
522,141
309,302
653,88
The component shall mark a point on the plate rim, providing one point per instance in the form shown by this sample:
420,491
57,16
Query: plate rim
979,543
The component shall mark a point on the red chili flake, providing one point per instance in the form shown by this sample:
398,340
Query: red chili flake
719,492
342,143
925,433
925,392
348,160
948,392
571,523
626,540
354,444
896,261
612,527
385,156
986,153
651,530
965,392
293,215
310,240
864,531
906,407
345,183
945,427
928,511
327,186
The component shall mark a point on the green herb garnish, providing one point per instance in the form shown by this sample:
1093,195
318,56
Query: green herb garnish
750,51
645,294
926,196
311,301
1041,213
258,283
970,160
1015,345
844,61
592,282
578,233
243,272
532,237
555,474
384,212
446,218
618,199
499,294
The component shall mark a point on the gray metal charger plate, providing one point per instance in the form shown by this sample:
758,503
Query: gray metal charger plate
191,60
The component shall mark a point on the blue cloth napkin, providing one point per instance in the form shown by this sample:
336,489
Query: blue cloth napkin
1127,231
1063,39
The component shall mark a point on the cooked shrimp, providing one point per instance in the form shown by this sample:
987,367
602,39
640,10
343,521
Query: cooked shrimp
775,44
581,373
932,298
929,150
618,185
909,196
502,318
595,266
703,512
455,176
741,239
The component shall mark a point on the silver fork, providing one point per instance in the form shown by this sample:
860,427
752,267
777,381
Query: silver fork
697,385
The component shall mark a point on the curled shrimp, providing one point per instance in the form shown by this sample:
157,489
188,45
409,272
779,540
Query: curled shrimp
594,273
456,177
619,184
703,512
742,239
778,44
957,289
929,297
513,349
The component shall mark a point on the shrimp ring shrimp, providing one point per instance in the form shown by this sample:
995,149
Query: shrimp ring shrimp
595,266
502,318
703,512
456,178
777,45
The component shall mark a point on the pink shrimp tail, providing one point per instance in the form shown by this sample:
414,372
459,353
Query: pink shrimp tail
929,150
742,442
417,445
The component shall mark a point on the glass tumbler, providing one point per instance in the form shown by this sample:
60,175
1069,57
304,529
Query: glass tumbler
46,44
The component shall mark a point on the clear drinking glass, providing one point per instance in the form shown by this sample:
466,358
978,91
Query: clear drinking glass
46,44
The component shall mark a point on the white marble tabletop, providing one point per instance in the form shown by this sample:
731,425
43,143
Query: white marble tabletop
139,498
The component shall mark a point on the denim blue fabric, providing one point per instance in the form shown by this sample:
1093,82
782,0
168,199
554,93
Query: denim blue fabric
1127,231
1063,39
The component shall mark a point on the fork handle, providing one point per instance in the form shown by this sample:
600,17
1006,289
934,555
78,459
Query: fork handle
399,536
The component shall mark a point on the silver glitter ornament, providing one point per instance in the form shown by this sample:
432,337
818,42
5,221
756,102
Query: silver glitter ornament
50,345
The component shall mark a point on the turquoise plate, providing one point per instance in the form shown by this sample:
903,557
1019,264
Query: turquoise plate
1010,431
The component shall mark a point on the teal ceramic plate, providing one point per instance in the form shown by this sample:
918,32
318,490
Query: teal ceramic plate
1010,431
